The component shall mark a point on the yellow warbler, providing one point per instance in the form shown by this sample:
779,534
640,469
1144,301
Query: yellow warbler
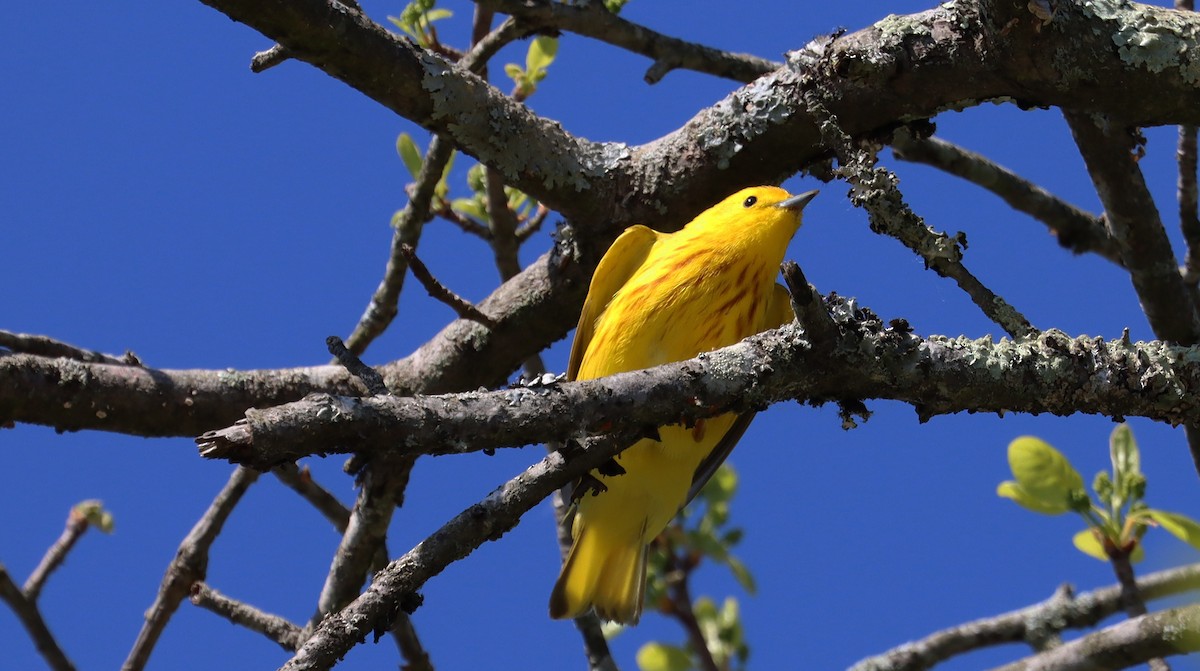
657,298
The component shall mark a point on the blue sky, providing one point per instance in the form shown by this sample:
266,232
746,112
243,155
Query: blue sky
156,196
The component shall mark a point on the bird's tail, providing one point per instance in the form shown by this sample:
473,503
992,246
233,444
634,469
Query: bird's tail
603,573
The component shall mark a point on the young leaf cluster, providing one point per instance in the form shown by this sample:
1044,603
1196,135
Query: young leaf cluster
416,21
1117,518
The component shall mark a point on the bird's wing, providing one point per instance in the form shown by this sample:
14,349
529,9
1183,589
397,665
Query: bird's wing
715,458
620,262
779,308
778,312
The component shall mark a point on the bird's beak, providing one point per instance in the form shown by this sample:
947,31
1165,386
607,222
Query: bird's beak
797,203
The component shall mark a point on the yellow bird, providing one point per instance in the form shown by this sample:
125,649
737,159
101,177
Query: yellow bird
658,298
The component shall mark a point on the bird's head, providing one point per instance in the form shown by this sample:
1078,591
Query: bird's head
766,215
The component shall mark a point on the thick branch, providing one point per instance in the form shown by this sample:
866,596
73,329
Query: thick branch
1049,374
71,395
903,68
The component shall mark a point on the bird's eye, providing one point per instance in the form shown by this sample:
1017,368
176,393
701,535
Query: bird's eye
751,200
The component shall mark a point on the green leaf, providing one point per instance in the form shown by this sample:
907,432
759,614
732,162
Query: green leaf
437,15
541,53
1124,452
407,149
1182,527
475,177
656,656
1127,472
721,487
742,574
1046,482
705,609
470,207
1088,542
1103,486
1012,490
515,72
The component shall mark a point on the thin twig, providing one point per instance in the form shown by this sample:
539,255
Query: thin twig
467,224
1041,621
403,632
591,19
77,523
1189,194
461,306
1131,598
1189,201
1074,228
49,347
502,223
678,572
369,376
383,481
301,481
265,60
487,519
274,627
27,612
809,307
189,566
382,309
876,191
532,224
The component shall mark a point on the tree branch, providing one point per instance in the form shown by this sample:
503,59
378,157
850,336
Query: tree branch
189,566
1128,643
593,20
274,627
758,134
78,522
1032,624
384,302
1075,229
383,306
300,480
392,589
1107,146
27,612
937,375
877,191
48,347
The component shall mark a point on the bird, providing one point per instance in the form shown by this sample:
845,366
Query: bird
657,298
